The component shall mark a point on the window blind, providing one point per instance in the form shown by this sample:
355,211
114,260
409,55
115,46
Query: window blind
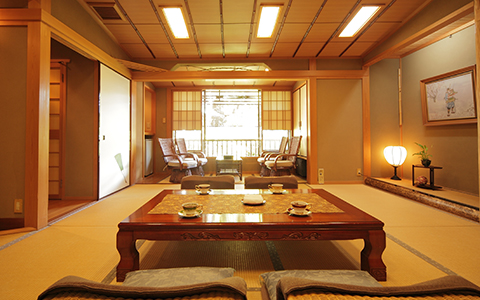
276,110
187,110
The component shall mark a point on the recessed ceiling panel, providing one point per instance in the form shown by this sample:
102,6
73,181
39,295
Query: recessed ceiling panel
211,50
260,49
205,11
321,32
124,33
377,31
236,33
208,34
333,49
303,11
293,33
309,49
335,11
137,51
401,11
237,12
358,49
152,33
186,50
285,50
139,11
237,50
162,51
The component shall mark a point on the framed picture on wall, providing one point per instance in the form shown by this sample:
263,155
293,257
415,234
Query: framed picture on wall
449,98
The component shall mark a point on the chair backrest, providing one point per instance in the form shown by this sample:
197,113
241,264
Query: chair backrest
254,182
182,146
168,148
283,145
294,147
224,182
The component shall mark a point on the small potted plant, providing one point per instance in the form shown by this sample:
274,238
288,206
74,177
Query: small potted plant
423,155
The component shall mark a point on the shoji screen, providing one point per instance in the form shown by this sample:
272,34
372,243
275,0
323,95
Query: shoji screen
114,131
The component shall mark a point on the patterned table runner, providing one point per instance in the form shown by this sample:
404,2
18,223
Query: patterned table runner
231,204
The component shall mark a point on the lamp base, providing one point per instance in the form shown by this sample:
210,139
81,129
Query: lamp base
395,177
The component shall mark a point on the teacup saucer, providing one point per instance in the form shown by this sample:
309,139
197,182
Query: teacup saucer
279,192
254,204
183,215
292,212
200,193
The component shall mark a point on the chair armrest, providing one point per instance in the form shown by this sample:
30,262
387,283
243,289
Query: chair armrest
189,154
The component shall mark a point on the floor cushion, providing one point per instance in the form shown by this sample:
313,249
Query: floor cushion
352,277
176,276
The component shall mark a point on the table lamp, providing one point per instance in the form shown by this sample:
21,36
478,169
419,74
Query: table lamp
395,156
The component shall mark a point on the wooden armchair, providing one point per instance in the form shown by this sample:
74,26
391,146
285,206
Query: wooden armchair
284,164
265,156
198,156
179,165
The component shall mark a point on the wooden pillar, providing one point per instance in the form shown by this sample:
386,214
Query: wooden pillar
37,125
477,81
312,131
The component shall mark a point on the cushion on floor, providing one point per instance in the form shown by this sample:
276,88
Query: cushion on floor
176,276
352,277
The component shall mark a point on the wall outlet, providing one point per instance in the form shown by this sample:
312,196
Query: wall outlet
321,176
359,172
18,206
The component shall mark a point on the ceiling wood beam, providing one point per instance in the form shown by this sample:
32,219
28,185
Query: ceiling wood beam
272,75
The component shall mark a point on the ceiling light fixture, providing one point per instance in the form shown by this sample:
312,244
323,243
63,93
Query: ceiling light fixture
176,21
360,19
268,20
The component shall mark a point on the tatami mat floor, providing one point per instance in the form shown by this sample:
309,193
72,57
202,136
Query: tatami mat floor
423,243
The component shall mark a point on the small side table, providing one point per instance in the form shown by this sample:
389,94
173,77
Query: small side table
229,166
432,185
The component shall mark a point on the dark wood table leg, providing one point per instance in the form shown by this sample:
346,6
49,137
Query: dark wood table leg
432,178
129,256
371,256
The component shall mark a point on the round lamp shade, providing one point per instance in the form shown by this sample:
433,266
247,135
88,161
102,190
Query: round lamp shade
395,155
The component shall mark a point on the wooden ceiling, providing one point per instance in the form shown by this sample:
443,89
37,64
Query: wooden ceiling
225,30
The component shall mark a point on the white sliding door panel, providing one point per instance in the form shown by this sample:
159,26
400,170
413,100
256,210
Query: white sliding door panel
114,139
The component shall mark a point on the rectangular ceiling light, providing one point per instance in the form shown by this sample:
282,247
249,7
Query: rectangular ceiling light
360,19
268,19
176,21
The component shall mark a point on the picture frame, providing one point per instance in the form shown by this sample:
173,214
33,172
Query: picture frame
449,98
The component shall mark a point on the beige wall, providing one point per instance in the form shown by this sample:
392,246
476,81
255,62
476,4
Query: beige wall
454,147
13,57
81,133
339,117
384,114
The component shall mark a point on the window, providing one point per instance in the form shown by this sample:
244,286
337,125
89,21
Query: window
234,122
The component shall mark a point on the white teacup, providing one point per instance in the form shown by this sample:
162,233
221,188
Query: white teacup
276,188
203,188
190,208
300,207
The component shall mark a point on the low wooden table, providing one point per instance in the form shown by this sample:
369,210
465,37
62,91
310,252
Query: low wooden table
331,219
229,167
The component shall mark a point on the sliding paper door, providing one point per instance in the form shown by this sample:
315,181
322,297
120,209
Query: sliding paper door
114,132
